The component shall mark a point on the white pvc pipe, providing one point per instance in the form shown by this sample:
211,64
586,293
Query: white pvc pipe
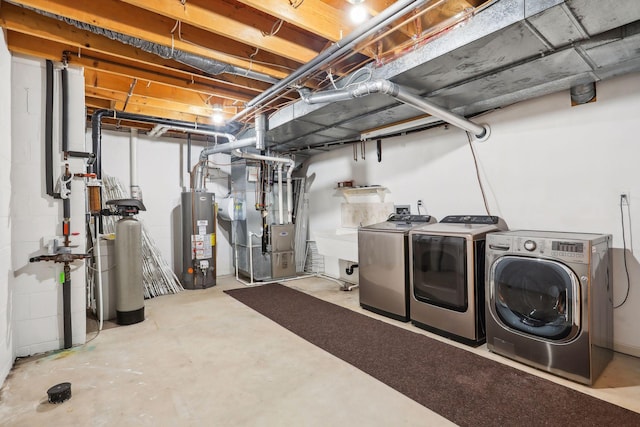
250,248
280,198
133,157
290,193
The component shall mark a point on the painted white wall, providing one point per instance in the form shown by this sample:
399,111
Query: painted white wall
162,176
547,166
6,312
37,294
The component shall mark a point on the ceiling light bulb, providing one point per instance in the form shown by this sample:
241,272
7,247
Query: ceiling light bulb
358,13
217,116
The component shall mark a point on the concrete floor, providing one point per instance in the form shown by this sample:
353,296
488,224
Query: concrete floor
203,358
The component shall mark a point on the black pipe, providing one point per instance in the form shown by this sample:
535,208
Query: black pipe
83,155
66,304
189,153
349,270
96,129
65,111
48,130
96,139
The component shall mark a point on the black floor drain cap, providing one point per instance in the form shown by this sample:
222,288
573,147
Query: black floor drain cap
59,393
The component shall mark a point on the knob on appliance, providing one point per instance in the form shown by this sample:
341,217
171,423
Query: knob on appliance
530,245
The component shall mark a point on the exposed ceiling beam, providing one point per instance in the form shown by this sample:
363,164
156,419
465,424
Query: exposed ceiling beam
98,103
143,101
316,17
117,83
22,20
122,18
224,21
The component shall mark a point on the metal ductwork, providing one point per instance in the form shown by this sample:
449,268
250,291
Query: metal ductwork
401,94
386,17
207,65
510,51
583,93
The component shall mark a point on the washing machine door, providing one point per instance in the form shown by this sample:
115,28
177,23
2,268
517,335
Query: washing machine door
537,297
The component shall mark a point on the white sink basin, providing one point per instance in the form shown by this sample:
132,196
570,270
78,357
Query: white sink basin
341,243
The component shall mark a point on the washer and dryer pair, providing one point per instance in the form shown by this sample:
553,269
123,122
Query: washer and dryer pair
547,296
430,273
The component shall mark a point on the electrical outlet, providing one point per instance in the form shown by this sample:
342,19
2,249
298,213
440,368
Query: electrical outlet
419,202
625,198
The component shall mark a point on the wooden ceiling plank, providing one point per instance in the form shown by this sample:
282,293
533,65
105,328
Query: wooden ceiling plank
194,14
47,49
21,20
116,16
316,17
148,76
159,112
97,79
144,101
99,103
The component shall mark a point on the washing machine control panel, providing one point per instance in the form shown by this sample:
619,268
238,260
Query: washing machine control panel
530,245
470,219
409,218
565,250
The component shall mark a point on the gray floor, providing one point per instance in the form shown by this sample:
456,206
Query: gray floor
203,358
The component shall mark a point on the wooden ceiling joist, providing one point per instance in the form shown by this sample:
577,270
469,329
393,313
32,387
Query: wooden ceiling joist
116,16
225,21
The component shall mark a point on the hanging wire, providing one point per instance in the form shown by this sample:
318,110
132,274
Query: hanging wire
178,26
475,162
624,253
274,29
296,4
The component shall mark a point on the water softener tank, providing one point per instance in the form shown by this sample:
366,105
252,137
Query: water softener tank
128,256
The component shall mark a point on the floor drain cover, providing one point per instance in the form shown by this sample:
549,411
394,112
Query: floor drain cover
59,393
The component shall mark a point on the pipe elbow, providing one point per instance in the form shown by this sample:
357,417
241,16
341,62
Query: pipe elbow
349,270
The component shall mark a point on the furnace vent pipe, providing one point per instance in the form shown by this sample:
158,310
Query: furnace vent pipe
219,148
385,87
261,129
280,198
282,160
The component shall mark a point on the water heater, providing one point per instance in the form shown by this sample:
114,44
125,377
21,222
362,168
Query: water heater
198,240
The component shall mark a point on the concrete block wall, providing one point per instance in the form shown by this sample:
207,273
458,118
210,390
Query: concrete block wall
6,312
36,217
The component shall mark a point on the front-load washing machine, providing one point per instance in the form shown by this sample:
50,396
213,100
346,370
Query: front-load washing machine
383,265
447,276
549,301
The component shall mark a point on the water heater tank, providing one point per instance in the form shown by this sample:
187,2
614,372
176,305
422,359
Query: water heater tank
198,240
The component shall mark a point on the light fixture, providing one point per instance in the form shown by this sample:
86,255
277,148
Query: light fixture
217,116
358,12
399,127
